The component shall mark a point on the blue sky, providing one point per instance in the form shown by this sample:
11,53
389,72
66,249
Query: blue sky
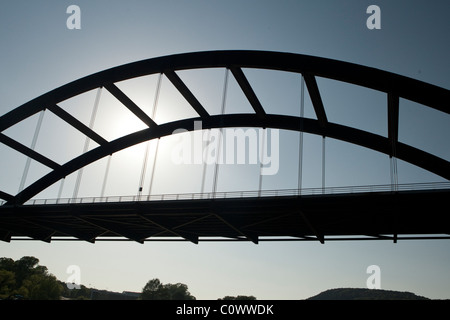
38,53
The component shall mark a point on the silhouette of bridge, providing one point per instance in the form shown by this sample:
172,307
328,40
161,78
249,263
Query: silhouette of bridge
373,212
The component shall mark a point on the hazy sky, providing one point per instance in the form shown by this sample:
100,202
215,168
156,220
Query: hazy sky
39,53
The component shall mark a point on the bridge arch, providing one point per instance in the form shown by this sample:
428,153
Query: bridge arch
395,87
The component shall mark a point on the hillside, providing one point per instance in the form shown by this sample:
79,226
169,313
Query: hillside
365,294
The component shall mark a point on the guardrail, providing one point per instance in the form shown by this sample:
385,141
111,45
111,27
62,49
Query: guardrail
248,194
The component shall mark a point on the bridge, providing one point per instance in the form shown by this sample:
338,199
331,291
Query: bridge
371,212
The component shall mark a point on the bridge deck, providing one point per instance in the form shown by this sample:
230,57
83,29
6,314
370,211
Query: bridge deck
374,215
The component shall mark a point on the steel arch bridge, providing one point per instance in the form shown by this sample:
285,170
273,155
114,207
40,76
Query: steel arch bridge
302,217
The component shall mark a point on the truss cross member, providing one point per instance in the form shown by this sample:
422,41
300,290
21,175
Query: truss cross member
316,99
27,151
114,228
248,91
6,196
249,235
127,102
187,94
74,122
319,236
393,117
185,235
5,236
65,230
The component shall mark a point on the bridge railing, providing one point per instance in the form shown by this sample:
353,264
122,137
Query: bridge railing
247,194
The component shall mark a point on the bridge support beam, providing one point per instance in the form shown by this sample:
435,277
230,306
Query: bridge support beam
6,196
5,236
186,93
61,229
179,233
382,215
393,118
393,121
42,235
316,99
318,235
249,235
74,122
127,102
15,227
248,91
28,152
115,228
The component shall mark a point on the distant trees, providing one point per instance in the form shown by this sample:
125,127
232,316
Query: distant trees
238,298
7,283
83,293
365,294
25,278
155,290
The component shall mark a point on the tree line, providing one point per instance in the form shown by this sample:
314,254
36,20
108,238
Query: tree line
26,279
365,294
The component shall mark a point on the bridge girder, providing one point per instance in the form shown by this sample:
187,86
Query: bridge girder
350,216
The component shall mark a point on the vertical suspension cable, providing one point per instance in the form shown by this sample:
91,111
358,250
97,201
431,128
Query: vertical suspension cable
205,162
143,170
105,178
216,166
87,141
391,173
393,156
147,147
153,168
323,165
261,160
155,106
394,173
300,147
33,146
61,187
394,160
